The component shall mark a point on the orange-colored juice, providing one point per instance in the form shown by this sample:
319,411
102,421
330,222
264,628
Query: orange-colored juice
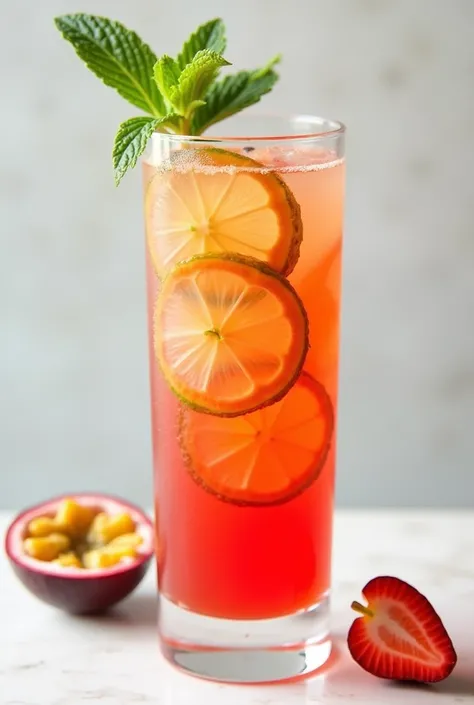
219,554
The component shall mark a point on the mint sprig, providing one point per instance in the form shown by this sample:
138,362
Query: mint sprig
184,90
181,96
195,79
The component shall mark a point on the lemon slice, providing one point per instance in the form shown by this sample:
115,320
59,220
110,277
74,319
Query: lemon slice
211,200
230,333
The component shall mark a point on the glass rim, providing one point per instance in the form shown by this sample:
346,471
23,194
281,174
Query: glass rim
329,128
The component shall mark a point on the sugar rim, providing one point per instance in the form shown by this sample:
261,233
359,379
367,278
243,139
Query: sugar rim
332,128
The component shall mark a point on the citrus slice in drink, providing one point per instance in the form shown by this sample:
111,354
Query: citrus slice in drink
230,333
266,457
212,200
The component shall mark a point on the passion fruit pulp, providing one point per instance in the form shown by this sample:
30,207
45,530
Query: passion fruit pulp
64,580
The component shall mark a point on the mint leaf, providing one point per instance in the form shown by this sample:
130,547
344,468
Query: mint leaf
210,35
194,82
233,94
132,138
117,56
166,73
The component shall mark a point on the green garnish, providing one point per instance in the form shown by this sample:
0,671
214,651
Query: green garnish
182,96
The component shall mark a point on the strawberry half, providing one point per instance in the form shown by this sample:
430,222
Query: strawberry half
400,636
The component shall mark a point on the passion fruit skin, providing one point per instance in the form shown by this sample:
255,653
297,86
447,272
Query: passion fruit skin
82,596
79,591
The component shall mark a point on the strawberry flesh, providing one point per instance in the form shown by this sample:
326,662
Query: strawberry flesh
399,635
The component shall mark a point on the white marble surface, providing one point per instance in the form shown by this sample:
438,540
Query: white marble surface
73,368
48,658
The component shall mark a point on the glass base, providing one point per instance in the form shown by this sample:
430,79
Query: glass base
241,651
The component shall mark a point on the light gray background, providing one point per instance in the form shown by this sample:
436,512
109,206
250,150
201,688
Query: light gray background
73,359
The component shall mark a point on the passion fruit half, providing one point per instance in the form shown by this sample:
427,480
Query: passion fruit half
70,552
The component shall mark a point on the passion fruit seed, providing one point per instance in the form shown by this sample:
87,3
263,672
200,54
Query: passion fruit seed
106,557
105,528
96,529
42,526
91,559
74,519
68,560
119,551
126,541
47,548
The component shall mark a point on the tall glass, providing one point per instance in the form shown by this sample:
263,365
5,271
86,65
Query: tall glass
243,251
